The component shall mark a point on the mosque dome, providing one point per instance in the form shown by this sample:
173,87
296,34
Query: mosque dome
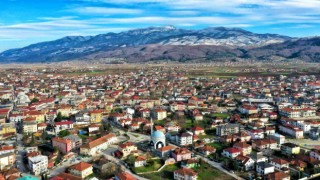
158,134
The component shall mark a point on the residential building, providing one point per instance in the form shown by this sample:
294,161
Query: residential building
180,154
185,174
227,129
38,164
64,145
98,145
264,168
81,169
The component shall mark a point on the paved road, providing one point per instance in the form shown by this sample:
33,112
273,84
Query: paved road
19,163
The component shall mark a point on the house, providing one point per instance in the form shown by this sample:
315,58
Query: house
246,162
291,130
63,125
243,147
64,145
231,152
66,176
30,127
95,116
165,151
280,139
159,114
38,164
256,134
289,149
185,173
227,129
264,168
207,150
11,174
279,163
184,139
97,145
76,140
315,154
197,130
278,175
248,109
81,169
7,159
262,144
180,154
242,136
127,148
258,157
140,161
190,163
124,176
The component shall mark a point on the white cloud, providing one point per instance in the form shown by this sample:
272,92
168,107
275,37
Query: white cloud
107,11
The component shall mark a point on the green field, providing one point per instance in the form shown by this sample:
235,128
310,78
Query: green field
148,168
206,172
165,174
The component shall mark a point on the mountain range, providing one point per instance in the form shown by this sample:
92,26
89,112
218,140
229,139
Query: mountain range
170,43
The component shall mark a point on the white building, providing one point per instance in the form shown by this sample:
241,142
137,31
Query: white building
291,130
184,139
38,164
264,168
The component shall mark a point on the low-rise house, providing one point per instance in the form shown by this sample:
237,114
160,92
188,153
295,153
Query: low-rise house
258,157
278,175
231,152
290,149
279,163
256,134
81,169
159,114
190,163
207,150
291,130
246,162
98,145
243,147
165,151
127,148
264,168
264,144
315,154
185,173
124,176
63,125
197,130
140,161
180,154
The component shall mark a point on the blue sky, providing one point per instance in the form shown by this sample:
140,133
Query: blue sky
24,22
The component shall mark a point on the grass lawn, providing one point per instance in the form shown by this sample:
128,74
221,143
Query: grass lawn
207,172
165,174
187,123
83,136
222,115
217,145
157,164
206,136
